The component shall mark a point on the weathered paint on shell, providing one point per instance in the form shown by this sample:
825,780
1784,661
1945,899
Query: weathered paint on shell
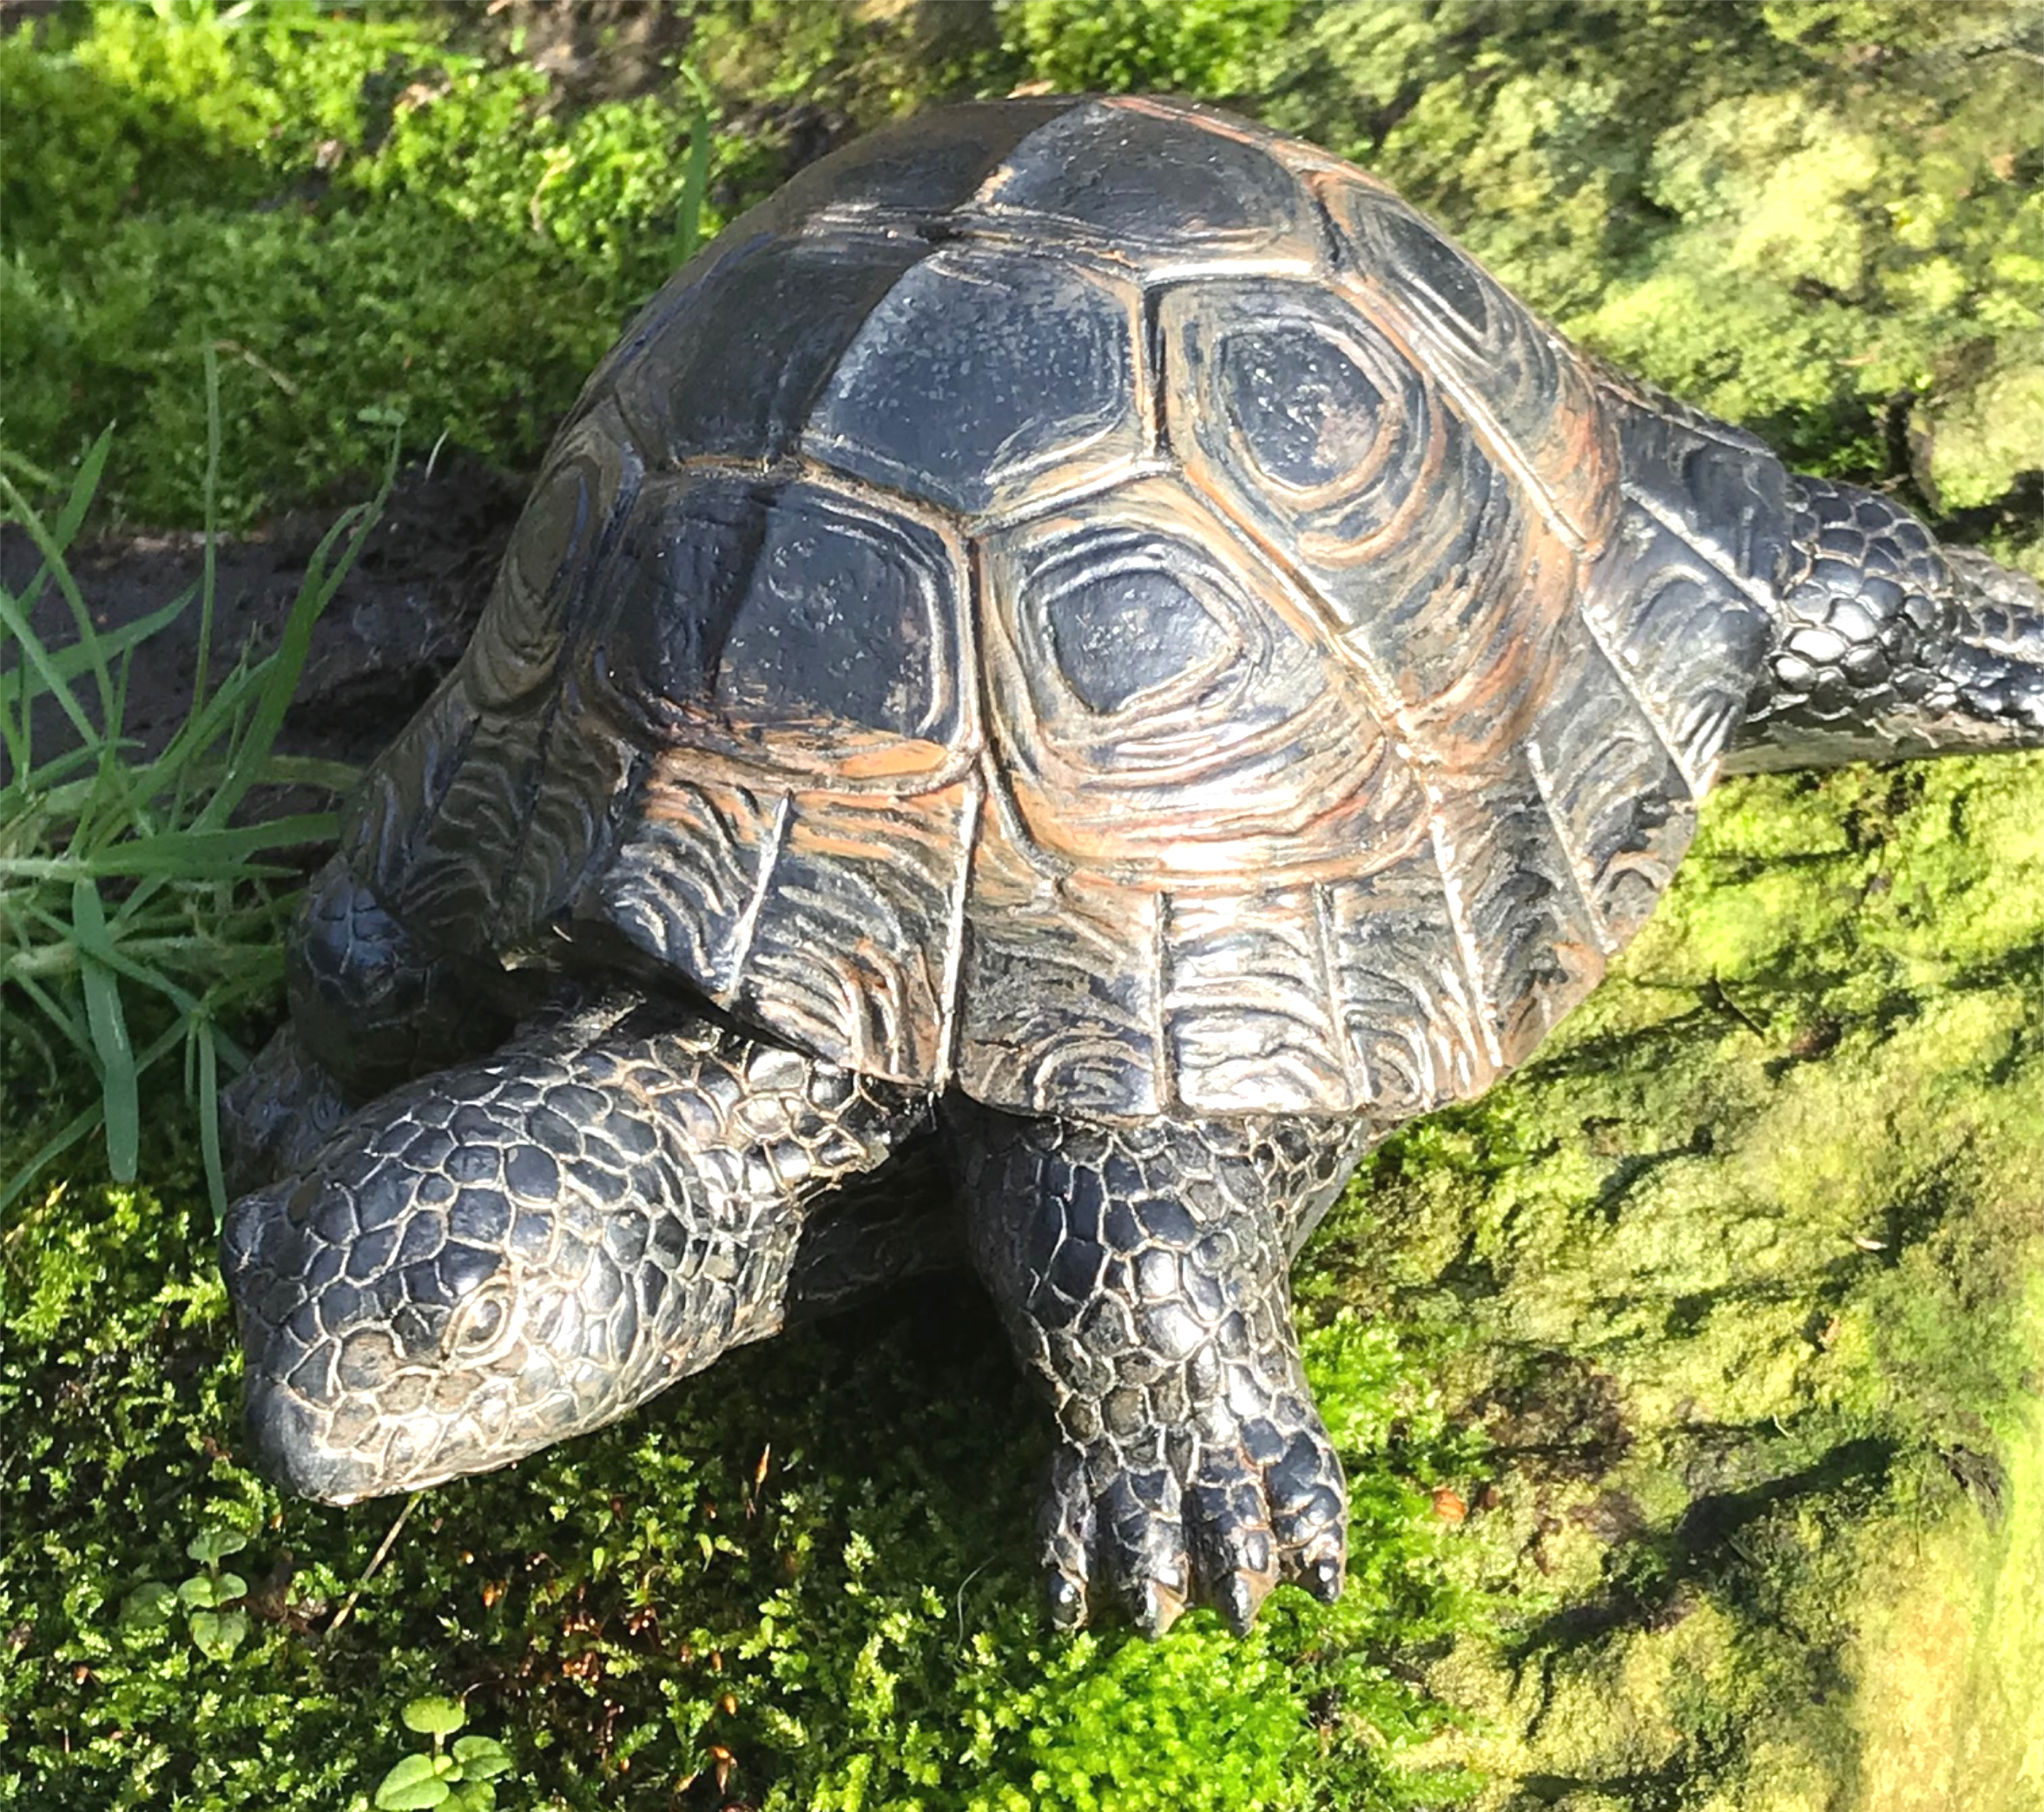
1102,606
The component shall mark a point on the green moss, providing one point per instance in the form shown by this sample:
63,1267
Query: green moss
359,211
1789,216
812,1566
1215,48
1979,433
1784,1226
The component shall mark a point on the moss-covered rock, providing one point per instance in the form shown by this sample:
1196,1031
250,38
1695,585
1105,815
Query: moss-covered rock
1747,1267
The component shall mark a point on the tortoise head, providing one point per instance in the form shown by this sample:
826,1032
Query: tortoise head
443,1292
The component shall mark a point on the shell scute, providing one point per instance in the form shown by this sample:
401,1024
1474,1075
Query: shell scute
1100,606
1159,184
738,358
737,605
1525,389
1246,750
982,374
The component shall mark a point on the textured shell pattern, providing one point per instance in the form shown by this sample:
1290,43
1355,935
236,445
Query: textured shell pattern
1103,606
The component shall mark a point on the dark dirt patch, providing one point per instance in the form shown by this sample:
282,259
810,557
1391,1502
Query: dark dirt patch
591,50
397,624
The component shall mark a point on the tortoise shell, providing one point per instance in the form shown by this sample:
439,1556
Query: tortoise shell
1098,606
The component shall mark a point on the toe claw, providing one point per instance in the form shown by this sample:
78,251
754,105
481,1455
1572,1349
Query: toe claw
1322,1578
1157,1607
1240,1599
1068,1602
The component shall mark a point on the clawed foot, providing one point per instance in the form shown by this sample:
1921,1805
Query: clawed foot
1195,1523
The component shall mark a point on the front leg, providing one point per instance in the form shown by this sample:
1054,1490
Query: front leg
371,1007
1142,1272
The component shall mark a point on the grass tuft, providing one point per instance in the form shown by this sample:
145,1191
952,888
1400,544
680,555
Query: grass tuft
141,907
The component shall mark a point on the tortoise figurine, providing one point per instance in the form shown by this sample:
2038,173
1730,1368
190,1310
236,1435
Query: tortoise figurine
1082,644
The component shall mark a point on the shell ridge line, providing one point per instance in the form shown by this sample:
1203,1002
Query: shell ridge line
1397,323
812,434
1718,558
1635,689
514,861
1403,744
415,836
744,933
951,1020
1004,172
1444,861
628,799
1356,1076
1153,371
1579,866
1160,970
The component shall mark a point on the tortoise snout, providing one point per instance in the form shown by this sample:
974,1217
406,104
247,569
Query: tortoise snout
287,1440
439,1293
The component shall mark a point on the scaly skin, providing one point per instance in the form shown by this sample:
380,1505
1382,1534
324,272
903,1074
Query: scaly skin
1143,1275
373,1008
526,1246
1888,645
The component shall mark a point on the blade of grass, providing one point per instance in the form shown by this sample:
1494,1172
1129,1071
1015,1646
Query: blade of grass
223,955
39,476
281,671
82,1125
212,494
84,488
70,515
72,658
182,855
78,1034
200,1032
92,942
109,1036
67,587
47,781
74,1131
37,657
16,738
696,174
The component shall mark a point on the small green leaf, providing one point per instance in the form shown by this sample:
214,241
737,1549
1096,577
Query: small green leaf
215,1544
434,1716
482,1758
219,1633
473,1796
210,1591
148,1607
201,1590
411,1786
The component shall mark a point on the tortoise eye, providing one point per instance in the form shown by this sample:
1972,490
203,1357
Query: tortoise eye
481,1325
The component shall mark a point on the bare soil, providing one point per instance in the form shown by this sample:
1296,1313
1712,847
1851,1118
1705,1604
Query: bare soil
397,624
